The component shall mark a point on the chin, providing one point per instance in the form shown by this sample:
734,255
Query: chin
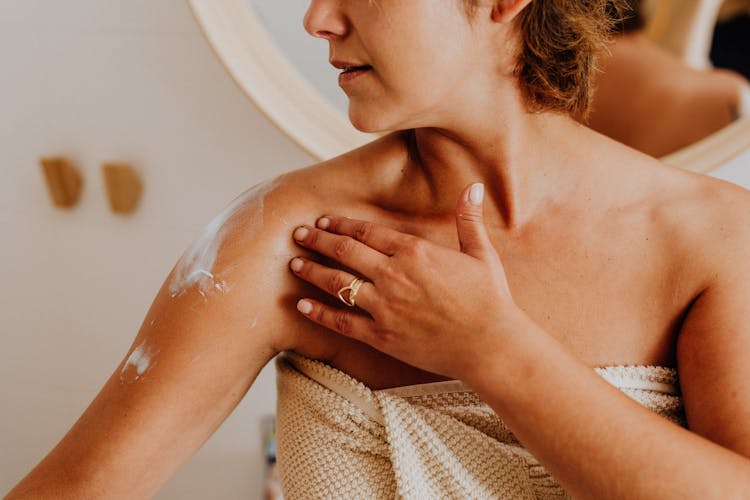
366,124
371,123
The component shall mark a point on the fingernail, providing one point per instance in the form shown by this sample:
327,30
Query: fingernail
324,222
476,195
304,306
301,233
296,264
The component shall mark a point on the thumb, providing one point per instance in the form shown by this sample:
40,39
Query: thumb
472,234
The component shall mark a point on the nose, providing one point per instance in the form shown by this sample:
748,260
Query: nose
324,19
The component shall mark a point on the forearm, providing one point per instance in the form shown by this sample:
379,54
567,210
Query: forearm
128,445
594,440
143,426
214,324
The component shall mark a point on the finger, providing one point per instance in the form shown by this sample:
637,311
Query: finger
332,280
382,238
472,233
345,322
343,249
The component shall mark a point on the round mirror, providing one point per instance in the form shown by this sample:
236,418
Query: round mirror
286,72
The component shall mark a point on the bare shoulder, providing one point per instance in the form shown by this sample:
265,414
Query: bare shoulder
709,218
714,337
243,255
263,217
240,259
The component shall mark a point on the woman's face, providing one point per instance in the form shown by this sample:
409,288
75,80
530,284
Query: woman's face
427,61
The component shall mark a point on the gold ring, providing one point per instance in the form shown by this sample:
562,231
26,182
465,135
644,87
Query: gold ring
353,288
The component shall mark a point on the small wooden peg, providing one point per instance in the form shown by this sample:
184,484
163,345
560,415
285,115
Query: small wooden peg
63,181
124,187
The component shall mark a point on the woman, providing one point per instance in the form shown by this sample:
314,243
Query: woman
607,252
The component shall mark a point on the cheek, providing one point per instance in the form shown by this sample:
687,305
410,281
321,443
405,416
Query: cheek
427,73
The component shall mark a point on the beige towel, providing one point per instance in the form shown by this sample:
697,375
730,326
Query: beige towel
336,438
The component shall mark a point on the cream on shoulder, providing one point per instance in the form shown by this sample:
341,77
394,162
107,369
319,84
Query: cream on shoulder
195,269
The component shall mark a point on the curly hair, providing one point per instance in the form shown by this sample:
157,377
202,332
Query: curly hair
560,41
632,16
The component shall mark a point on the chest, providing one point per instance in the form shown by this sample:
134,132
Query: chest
610,296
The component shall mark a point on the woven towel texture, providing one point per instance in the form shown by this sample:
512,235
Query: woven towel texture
336,438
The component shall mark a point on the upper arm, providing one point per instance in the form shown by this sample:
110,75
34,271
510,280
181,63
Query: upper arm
714,342
209,331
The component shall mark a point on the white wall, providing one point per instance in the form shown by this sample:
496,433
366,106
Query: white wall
133,81
123,80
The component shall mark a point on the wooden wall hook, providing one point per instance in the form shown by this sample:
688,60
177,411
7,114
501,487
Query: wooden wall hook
63,181
124,187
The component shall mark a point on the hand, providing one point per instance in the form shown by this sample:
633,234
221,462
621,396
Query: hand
429,306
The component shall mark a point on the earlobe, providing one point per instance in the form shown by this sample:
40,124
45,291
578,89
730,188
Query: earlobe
505,11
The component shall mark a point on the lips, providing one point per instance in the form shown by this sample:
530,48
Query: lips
355,68
347,64
347,78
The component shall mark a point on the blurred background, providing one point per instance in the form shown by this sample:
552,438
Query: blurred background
127,81
133,82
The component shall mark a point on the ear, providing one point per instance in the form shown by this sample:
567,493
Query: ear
505,11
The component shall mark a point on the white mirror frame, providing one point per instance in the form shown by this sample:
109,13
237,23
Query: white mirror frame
263,72
299,110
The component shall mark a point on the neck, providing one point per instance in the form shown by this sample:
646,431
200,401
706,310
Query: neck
526,167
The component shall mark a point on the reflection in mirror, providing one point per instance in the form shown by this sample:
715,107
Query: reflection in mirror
285,72
655,97
652,100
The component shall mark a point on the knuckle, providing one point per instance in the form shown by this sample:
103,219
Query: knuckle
342,248
318,314
387,270
396,311
312,239
342,322
396,244
416,247
385,324
385,337
363,231
382,269
471,216
404,240
334,283
375,339
335,226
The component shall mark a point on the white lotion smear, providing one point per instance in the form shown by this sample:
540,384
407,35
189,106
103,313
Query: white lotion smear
137,363
195,267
